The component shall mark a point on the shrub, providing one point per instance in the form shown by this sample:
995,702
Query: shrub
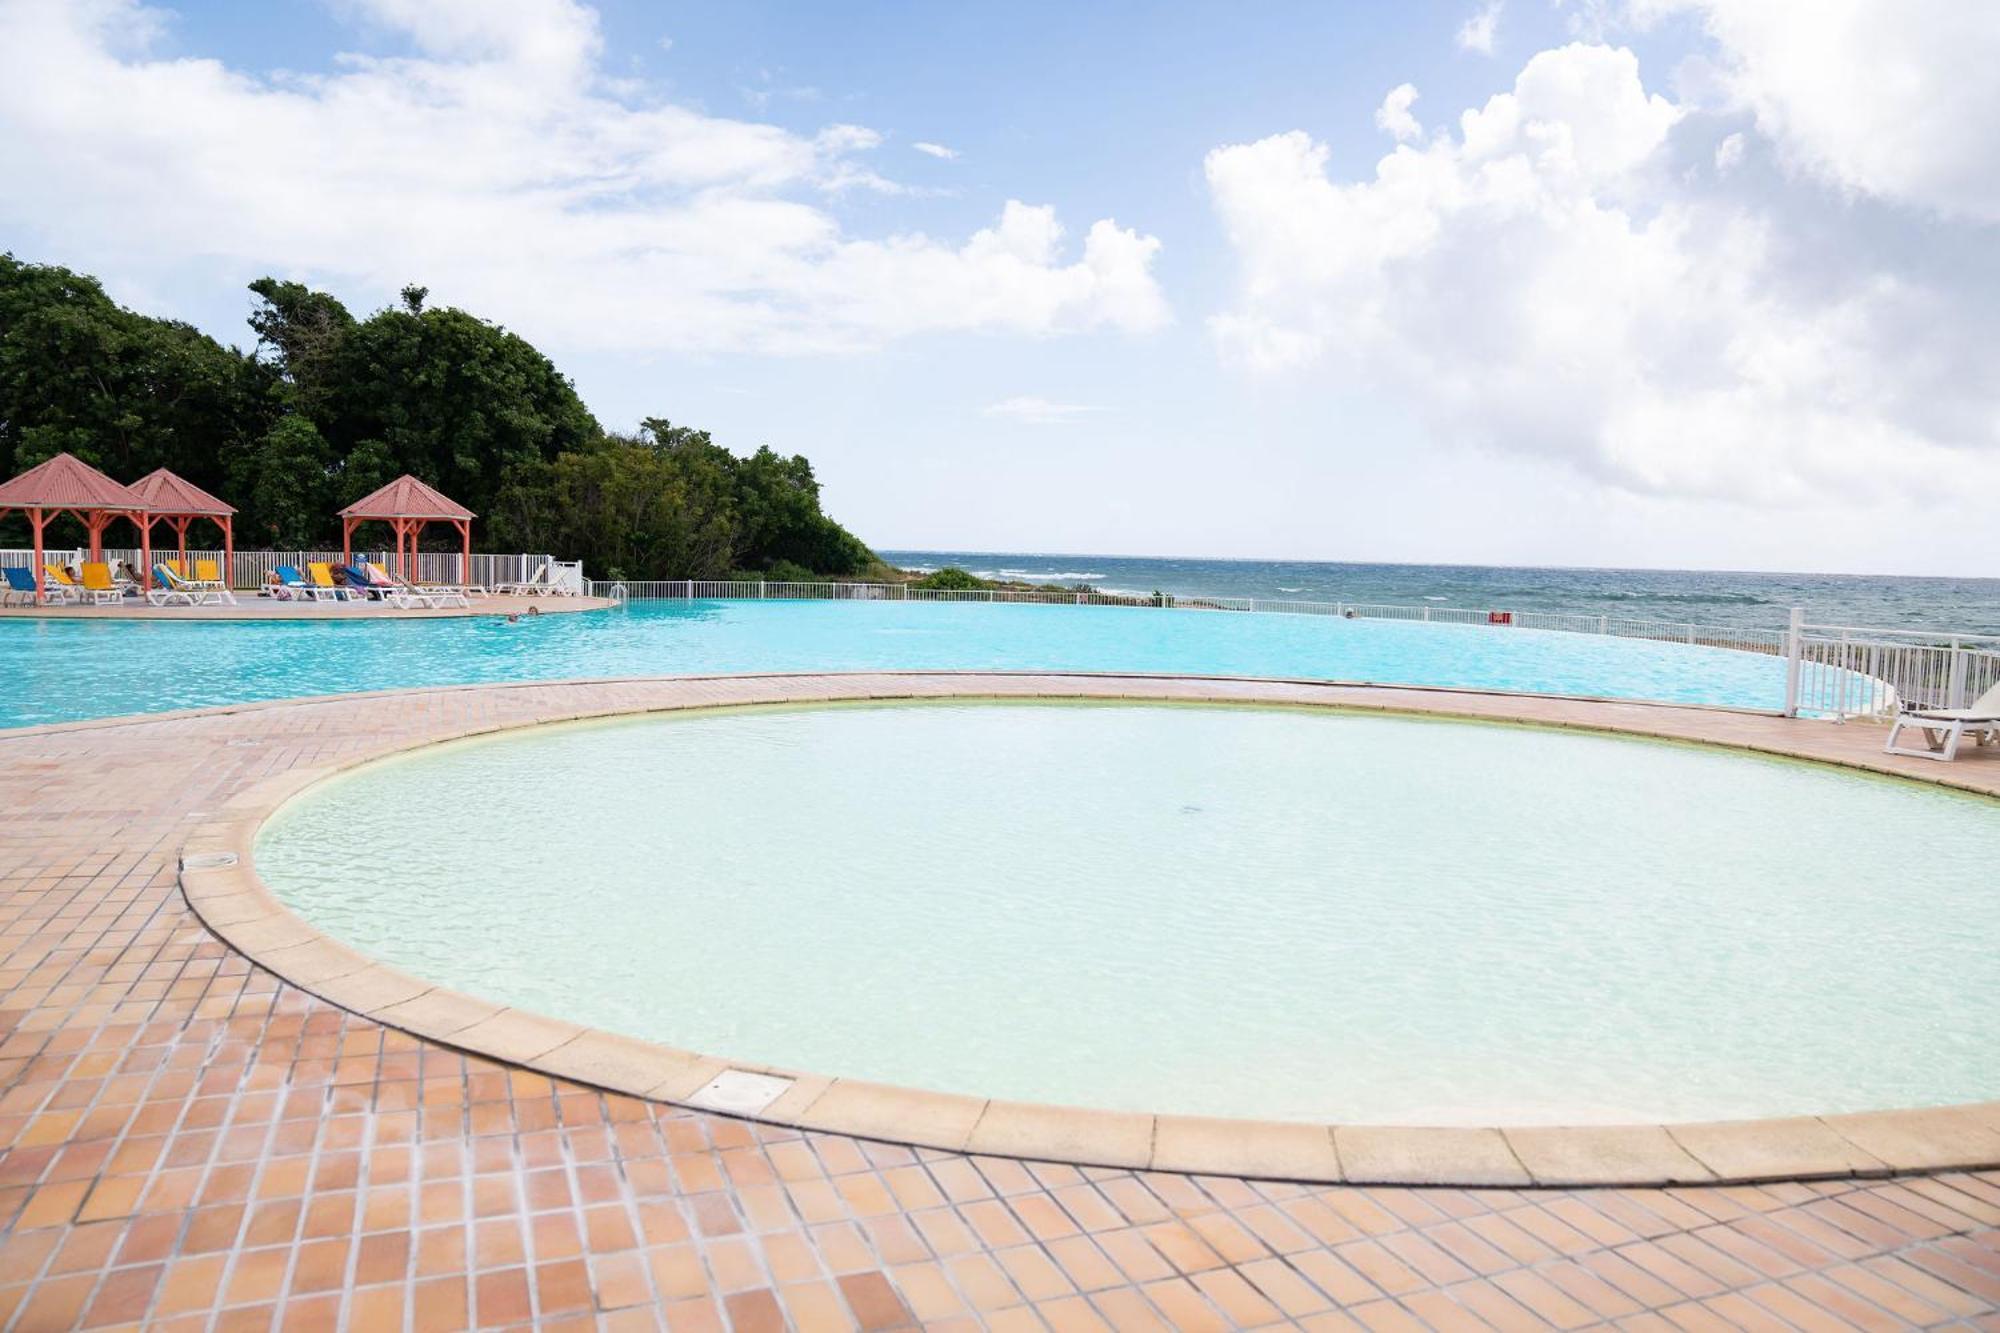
950,579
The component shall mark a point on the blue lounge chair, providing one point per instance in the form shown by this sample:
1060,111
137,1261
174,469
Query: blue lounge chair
289,583
20,586
358,578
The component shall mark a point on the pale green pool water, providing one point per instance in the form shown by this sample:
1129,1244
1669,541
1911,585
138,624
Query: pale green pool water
1273,913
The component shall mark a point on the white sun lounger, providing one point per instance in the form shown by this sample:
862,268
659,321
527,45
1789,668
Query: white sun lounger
1944,728
402,592
535,583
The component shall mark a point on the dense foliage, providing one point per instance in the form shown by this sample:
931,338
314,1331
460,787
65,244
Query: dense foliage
328,407
951,579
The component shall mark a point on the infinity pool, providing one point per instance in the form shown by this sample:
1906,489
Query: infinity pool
1282,914
63,670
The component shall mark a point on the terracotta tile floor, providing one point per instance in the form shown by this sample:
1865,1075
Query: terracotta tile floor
186,1142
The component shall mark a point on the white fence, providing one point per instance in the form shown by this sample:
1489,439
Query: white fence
1844,671
250,567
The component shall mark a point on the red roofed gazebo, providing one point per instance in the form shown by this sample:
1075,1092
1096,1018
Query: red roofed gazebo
66,484
406,504
180,502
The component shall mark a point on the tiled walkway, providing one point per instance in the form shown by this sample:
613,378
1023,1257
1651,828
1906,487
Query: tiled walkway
186,1142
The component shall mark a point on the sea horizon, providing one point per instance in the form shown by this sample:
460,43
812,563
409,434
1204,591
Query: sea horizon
1738,599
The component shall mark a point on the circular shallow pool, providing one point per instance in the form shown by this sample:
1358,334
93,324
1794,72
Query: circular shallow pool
1271,913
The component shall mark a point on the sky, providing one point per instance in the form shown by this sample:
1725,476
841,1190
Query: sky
1682,283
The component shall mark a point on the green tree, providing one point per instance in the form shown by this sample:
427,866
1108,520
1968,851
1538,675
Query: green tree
122,391
328,407
452,399
283,486
300,332
626,503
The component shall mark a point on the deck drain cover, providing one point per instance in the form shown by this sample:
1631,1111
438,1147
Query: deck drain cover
740,1092
208,860
243,743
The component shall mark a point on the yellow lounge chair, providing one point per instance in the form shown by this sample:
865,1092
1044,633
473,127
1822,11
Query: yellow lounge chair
98,585
208,577
323,584
59,587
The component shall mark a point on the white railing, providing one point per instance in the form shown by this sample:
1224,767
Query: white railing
1844,671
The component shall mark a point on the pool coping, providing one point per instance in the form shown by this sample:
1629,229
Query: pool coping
217,875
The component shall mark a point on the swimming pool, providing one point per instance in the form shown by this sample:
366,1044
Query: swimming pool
1272,913
64,670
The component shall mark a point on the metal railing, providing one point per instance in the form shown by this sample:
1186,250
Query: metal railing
1844,671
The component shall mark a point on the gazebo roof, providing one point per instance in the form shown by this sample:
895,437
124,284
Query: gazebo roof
67,482
406,497
167,493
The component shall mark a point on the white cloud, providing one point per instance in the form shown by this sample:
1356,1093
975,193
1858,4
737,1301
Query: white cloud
1476,33
936,150
1729,153
1898,101
1394,113
1033,411
497,164
1554,280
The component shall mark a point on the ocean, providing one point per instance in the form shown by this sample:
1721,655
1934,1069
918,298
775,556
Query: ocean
1737,600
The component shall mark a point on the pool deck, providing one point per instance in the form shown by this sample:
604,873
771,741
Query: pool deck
189,1140
250,606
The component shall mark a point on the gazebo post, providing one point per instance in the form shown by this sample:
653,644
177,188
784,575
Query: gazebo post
465,553
228,553
146,551
36,518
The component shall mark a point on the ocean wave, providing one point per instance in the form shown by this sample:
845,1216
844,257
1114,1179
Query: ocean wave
1029,576
1690,598
1501,596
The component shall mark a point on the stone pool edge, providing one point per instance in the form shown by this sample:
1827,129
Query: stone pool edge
218,878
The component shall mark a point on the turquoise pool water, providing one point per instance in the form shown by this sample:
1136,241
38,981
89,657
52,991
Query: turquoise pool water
63,670
1269,913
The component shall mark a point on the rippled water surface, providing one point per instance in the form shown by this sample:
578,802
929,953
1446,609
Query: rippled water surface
1273,913
62,670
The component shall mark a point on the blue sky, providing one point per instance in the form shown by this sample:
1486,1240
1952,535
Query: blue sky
1692,286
